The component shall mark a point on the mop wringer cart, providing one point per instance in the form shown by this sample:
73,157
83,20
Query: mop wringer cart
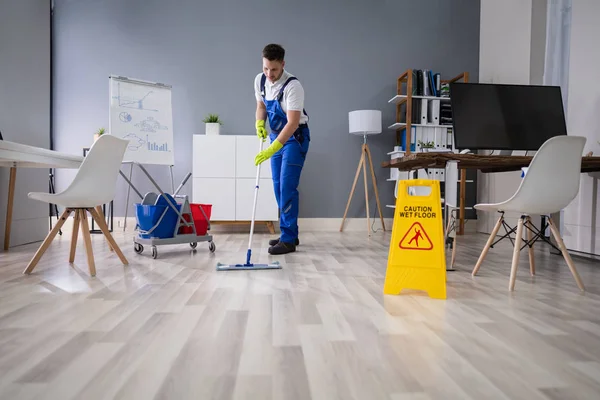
165,219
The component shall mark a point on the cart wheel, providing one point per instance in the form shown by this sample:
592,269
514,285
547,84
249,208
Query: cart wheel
154,252
138,248
193,245
212,247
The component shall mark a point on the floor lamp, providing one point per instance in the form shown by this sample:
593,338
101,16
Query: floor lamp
364,122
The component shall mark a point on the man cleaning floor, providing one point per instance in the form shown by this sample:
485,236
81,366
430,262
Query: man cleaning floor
280,96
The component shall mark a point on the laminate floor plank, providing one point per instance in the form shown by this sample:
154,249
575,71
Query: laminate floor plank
319,328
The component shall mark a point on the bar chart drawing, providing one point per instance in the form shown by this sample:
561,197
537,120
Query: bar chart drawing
153,146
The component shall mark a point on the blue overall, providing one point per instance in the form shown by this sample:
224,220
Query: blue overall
286,164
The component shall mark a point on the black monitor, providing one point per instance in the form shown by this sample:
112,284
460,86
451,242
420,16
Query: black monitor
489,116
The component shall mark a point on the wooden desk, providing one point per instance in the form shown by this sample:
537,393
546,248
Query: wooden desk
481,162
17,155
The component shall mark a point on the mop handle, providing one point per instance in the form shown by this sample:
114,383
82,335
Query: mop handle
255,198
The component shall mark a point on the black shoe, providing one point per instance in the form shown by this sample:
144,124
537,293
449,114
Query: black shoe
273,242
282,248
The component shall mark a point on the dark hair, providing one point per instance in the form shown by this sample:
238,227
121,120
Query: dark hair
273,52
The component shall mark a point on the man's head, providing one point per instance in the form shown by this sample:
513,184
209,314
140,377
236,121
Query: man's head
273,61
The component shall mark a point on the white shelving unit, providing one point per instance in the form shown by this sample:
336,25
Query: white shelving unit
425,130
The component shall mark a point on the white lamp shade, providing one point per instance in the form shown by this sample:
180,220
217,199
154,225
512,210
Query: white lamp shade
364,122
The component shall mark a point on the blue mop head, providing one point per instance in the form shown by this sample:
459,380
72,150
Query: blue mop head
248,265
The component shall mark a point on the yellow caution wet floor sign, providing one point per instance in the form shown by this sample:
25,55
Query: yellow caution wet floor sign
416,257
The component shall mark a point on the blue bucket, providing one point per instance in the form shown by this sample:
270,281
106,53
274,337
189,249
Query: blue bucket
148,216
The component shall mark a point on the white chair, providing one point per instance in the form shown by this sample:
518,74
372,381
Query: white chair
93,185
551,183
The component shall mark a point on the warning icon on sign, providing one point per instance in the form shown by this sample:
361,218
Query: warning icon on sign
416,239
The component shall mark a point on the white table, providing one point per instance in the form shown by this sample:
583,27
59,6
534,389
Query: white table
16,155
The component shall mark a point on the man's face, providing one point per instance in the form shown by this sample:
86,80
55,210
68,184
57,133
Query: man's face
273,69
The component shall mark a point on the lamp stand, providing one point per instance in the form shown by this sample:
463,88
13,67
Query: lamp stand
365,152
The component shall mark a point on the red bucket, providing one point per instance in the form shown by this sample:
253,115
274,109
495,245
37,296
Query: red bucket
185,230
200,222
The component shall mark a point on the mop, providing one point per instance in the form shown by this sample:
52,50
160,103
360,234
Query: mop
249,265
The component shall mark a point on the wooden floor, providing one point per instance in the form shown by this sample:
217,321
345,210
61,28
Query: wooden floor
320,328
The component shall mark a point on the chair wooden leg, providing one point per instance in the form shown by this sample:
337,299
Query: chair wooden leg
531,255
516,253
87,239
42,249
488,245
101,214
102,224
566,255
74,235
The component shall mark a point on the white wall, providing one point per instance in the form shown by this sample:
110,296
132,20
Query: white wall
512,55
25,108
581,222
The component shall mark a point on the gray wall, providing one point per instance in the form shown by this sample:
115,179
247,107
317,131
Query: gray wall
25,109
347,54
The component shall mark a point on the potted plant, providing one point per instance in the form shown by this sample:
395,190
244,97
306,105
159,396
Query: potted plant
213,124
426,146
98,133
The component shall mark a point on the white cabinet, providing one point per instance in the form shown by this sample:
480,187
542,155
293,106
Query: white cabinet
265,203
246,148
224,175
214,156
220,192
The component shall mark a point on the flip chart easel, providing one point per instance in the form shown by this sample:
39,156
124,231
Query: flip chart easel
140,111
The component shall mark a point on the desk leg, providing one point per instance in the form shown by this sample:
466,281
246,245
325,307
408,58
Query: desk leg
463,195
9,207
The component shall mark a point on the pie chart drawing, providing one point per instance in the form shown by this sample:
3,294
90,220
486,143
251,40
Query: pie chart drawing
125,117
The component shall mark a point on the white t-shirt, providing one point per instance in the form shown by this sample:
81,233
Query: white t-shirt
293,95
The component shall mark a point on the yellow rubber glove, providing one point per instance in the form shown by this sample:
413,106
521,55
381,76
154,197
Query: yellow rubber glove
268,152
261,132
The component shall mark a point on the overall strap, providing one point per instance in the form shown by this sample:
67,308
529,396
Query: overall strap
280,96
262,85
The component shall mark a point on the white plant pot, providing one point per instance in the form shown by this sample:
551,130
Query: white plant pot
213,128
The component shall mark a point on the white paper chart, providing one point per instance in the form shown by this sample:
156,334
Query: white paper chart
140,112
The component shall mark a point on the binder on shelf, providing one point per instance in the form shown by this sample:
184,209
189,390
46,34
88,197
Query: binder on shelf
413,139
423,117
426,83
434,112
